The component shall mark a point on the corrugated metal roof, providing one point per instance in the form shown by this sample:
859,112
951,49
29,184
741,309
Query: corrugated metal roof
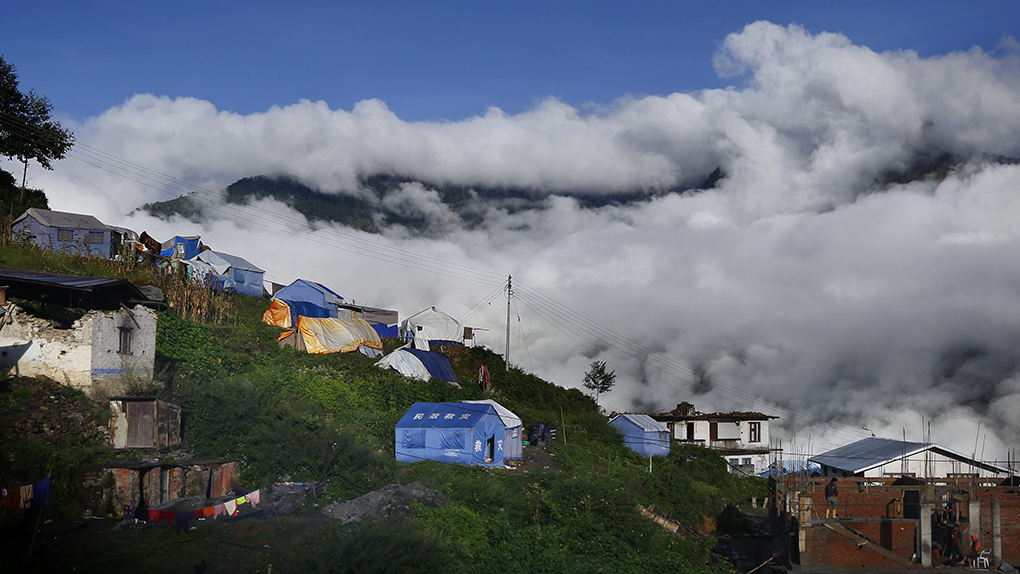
645,422
867,453
63,219
71,290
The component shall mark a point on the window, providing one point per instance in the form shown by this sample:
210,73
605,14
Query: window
65,235
754,432
747,461
125,341
95,237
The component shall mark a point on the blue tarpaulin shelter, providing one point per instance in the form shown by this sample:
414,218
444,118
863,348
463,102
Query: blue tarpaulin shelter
453,433
246,278
181,247
421,365
310,299
642,434
437,364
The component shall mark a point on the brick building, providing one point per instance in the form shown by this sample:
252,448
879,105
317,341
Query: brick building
892,521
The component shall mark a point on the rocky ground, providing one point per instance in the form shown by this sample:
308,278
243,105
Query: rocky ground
42,408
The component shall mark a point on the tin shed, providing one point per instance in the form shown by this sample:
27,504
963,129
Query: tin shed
144,422
642,434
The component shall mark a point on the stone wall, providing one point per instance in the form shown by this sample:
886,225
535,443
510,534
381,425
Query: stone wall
87,356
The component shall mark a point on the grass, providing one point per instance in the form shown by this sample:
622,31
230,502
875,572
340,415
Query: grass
331,417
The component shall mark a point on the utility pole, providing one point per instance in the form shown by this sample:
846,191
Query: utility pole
509,292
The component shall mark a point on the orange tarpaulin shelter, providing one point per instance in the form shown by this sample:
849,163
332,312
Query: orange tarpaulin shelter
328,335
278,314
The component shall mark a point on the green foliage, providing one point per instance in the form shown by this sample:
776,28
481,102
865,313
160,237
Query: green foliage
331,417
32,459
598,380
26,130
392,547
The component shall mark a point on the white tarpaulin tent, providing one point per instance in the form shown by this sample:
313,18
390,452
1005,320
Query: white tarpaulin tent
328,335
431,325
406,364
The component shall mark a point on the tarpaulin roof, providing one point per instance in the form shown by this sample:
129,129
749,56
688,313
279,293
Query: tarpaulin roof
431,324
62,219
411,363
644,422
643,434
510,420
192,246
71,290
223,261
436,363
285,313
328,335
311,293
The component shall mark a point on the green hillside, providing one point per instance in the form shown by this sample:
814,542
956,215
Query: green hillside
331,417
373,209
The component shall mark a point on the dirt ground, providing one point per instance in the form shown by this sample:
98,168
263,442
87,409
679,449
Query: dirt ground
536,458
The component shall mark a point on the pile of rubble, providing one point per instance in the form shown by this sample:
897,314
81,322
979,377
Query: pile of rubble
42,408
388,501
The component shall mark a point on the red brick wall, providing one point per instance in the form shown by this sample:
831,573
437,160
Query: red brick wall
832,549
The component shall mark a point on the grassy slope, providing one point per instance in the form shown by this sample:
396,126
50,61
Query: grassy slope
331,417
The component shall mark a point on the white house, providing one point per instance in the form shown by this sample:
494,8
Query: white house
874,457
741,437
102,353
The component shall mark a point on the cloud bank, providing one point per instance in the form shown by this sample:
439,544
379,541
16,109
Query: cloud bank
856,265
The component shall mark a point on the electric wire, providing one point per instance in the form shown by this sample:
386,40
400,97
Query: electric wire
564,319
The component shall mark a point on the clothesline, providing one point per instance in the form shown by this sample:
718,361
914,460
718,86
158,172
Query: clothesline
179,520
20,497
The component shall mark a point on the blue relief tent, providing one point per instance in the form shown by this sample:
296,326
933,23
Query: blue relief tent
310,299
513,436
452,433
642,434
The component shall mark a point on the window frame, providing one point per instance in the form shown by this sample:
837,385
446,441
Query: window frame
125,340
754,431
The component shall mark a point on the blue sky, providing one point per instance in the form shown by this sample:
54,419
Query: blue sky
432,60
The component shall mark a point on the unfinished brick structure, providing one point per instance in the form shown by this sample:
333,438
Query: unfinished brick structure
890,522
105,489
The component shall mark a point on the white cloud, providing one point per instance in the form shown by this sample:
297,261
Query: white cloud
803,277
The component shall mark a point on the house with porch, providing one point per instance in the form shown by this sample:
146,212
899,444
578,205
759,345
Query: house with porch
741,437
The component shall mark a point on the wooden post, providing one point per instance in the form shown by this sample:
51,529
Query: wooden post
38,517
563,426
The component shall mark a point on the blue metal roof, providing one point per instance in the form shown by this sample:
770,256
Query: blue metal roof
867,453
643,422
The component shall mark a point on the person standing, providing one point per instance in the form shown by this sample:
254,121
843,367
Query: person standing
831,496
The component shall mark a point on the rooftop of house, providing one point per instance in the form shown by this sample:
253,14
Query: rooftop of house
62,219
686,412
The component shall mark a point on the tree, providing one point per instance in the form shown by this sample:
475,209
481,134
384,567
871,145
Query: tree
26,130
598,380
